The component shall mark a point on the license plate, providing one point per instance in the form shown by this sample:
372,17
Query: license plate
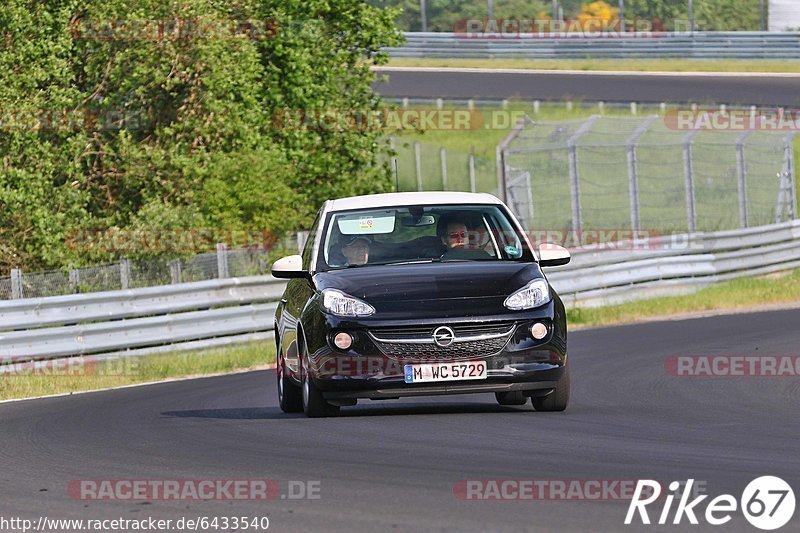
427,372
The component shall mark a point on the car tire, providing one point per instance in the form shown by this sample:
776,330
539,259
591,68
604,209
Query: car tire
559,398
314,404
516,397
290,396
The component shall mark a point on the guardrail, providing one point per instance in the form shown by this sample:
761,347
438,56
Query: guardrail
226,311
697,45
144,320
675,264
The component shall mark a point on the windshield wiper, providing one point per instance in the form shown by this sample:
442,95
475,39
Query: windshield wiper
407,261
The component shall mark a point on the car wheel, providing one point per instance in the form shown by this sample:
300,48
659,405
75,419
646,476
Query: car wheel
314,404
559,398
511,398
290,396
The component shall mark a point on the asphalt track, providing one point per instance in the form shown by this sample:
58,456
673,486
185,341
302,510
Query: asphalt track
761,90
392,466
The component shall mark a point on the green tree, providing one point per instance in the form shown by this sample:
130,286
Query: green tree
178,131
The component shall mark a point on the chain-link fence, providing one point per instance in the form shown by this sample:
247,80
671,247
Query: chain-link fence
641,173
130,274
420,166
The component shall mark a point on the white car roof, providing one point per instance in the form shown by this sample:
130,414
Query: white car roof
396,199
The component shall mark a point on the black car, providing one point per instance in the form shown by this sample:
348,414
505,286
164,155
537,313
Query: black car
416,294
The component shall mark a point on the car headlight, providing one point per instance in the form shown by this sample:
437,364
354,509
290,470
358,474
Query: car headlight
532,295
341,304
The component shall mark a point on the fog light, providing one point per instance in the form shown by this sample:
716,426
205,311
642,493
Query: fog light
343,340
539,331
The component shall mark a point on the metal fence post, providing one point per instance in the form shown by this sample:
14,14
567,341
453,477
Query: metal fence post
472,168
443,158
782,202
574,178
16,284
741,175
574,188
787,197
418,166
633,170
124,273
502,190
222,260
529,196
500,156
790,176
688,171
75,281
175,271
393,162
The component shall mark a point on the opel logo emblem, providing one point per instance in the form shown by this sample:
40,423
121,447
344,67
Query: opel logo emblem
443,336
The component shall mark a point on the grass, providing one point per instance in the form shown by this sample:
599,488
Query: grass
773,289
641,65
131,370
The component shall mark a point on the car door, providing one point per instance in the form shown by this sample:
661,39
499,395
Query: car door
298,292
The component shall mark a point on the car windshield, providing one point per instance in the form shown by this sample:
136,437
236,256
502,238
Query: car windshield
413,234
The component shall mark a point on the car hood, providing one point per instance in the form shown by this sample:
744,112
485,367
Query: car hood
430,281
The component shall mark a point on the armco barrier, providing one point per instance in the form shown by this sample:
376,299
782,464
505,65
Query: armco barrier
79,308
611,276
140,320
697,45
222,312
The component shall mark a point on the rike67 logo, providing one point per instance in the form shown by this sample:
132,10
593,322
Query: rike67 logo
767,503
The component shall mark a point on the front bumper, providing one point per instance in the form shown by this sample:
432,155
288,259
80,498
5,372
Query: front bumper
367,371
545,380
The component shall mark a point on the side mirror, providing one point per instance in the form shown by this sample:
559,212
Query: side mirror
552,255
289,267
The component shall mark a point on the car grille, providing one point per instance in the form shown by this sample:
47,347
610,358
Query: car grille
471,341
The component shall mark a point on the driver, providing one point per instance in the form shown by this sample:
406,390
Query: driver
454,232
356,250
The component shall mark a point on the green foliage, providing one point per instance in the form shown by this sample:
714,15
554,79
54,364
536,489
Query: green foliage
444,14
710,15
170,133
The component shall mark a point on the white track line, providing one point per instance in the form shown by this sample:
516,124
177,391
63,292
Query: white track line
134,385
688,74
